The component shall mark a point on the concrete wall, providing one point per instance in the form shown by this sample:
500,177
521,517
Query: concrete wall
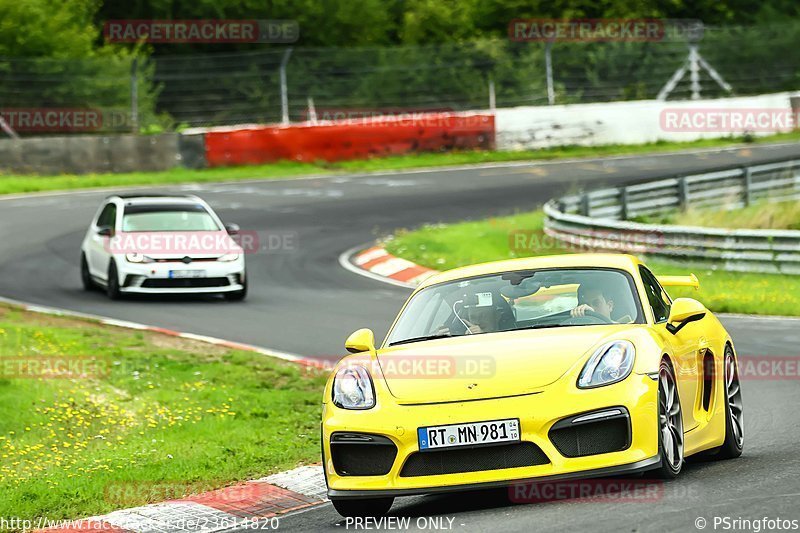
84,154
516,128
633,122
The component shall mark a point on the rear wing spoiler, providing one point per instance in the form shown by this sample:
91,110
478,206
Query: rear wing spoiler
679,281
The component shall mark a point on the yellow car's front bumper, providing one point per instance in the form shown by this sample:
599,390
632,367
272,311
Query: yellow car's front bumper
537,414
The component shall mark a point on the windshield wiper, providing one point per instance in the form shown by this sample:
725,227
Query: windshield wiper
423,338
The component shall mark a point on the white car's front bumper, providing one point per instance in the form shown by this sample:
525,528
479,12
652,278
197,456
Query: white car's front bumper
160,278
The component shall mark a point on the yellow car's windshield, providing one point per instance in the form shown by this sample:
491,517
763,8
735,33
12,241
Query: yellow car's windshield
517,300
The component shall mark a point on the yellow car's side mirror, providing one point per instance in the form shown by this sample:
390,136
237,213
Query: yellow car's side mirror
684,311
362,340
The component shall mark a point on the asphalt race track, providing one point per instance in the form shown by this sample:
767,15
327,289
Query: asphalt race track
301,301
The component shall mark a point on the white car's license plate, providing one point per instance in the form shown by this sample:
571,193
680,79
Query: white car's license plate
469,434
173,274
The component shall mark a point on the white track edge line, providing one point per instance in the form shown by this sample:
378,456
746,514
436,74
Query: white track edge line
108,321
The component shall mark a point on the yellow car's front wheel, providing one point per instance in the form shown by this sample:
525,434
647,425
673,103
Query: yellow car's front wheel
670,423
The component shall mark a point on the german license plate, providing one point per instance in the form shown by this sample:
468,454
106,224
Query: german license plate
175,274
469,434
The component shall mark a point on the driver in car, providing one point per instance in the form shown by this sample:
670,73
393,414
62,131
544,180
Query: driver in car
477,315
597,298
481,319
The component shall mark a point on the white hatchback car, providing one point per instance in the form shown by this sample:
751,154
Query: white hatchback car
154,244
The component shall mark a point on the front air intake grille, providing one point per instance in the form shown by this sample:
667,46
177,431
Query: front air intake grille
361,454
602,435
454,461
185,283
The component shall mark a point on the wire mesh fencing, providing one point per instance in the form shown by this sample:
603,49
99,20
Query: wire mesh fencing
280,84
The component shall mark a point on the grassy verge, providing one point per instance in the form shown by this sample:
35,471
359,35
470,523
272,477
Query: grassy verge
761,215
151,417
448,246
10,184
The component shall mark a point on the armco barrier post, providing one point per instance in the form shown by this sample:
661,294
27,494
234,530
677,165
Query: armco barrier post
585,207
623,203
747,178
683,193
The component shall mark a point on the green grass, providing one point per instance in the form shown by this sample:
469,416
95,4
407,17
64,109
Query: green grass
10,184
449,246
171,417
761,215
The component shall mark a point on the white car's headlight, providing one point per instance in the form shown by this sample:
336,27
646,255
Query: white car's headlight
137,258
611,362
229,257
352,388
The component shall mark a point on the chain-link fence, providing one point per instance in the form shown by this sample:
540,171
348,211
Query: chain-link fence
169,92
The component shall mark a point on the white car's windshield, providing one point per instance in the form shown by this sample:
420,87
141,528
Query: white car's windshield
168,218
519,300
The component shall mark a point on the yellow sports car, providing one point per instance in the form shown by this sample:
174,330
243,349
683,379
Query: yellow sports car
527,370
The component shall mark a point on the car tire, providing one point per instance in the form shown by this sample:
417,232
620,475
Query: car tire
670,424
734,423
237,296
86,276
112,282
367,507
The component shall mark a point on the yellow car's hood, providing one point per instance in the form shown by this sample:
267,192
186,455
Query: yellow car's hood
488,365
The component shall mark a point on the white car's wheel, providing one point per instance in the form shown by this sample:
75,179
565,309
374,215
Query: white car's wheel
112,283
238,296
86,276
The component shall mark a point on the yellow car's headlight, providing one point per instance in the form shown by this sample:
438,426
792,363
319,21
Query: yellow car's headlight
352,388
611,362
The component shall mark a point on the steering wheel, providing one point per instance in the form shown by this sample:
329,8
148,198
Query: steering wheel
593,314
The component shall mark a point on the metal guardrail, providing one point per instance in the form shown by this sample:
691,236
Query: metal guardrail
605,219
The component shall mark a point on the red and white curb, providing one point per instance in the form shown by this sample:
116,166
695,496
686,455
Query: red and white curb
376,263
253,505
